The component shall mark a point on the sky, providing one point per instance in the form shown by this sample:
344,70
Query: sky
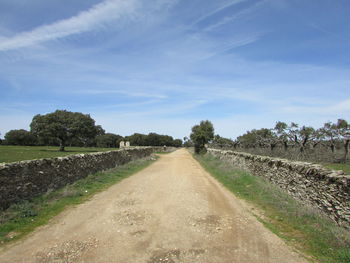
164,65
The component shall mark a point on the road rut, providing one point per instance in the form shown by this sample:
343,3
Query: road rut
173,211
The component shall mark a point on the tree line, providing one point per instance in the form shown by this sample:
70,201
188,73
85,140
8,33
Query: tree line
330,142
64,128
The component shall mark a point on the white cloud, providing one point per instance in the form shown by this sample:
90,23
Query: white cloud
217,10
242,14
339,108
85,21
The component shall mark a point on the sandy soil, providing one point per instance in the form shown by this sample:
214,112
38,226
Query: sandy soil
172,211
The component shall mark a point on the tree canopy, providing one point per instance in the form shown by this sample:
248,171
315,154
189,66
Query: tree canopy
64,126
201,135
20,137
108,140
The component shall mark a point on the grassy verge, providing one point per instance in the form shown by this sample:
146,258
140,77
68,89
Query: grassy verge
22,218
302,227
20,153
339,166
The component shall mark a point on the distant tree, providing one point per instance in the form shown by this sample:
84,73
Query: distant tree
330,132
280,130
201,135
108,140
249,139
64,126
221,142
305,135
177,143
20,137
259,138
187,142
343,128
153,139
137,139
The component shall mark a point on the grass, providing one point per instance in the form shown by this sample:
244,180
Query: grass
20,153
338,166
22,218
301,226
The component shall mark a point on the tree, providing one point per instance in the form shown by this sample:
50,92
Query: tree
108,140
137,139
177,143
201,135
222,142
344,133
281,133
64,126
20,137
187,142
330,133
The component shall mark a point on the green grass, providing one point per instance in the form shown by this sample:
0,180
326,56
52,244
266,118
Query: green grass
22,218
20,153
301,226
338,166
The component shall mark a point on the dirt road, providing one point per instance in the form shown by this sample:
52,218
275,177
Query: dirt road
172,211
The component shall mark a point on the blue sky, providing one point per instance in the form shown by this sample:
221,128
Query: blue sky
164,65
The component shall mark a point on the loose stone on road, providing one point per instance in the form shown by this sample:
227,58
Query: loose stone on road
172,211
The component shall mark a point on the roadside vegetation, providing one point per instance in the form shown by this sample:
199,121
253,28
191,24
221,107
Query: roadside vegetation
64,128
22,218
327,144
9,153
302,227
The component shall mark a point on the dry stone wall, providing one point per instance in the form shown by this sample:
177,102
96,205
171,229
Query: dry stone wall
27,179
329,190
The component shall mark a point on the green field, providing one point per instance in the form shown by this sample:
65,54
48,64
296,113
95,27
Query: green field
20,153
339,166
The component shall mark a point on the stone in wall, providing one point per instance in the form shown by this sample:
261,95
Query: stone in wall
27,179
326,189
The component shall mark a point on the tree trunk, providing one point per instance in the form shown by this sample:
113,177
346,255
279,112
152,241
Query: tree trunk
346,148
272,146
62,145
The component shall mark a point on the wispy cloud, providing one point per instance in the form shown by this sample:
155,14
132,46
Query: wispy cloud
217,10
241,14
123,92
336,108
94,18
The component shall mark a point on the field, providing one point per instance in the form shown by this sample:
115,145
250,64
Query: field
20,153
339,166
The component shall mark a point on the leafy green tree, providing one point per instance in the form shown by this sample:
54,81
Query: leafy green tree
201,135
222,142
20,137
64,126
108,140
137,139
177,143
